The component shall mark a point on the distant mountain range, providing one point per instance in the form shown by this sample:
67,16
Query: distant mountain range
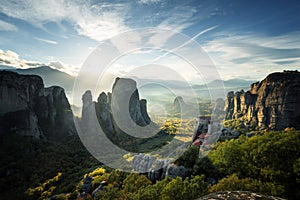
49,75
158,91
233,83
165,91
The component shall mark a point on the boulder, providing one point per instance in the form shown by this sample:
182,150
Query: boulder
173,171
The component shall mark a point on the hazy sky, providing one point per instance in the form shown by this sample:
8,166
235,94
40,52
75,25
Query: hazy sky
244,39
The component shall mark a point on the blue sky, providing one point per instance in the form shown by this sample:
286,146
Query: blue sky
244,39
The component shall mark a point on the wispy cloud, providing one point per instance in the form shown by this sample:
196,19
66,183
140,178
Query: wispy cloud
4,26
45,40
97,21
148,1
179,18
101,20
187,42
248,52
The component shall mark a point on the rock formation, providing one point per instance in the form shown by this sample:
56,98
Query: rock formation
173,171
182,109
124,90
178,104
29,109
103,112
158,168
122,117
237,195
273,103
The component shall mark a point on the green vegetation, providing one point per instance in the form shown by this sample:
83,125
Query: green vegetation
134,144
136,186
266,163
32,163
270,157
238,125
175,126
233,183
45,189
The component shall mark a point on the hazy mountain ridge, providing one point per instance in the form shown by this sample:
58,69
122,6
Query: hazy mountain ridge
158,90
49,75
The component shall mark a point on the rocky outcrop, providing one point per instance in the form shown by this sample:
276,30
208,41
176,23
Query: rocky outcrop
142,163
27,108
238,195
158,168
229,106
174,171
88,112
273,103
54,113
178,104
109,108
125,91
182,109
103,112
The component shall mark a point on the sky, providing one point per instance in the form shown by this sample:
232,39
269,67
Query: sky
243,39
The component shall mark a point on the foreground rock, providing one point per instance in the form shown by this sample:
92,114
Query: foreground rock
273,103
29,109
237,195
158,169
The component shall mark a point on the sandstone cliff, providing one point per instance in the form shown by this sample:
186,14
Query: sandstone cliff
124,90
273,103
122,115
27,108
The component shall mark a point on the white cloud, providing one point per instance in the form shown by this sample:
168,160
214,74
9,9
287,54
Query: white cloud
11,55
45,40
12,59
148,1
69,69
95,21
98,21
4,26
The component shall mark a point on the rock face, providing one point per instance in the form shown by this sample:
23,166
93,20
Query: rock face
124,90
103,112
27,108
273,103
178,104
173,171
158,169
237,195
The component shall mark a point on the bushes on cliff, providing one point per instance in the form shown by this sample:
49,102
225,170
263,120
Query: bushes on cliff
234,183
165,189
271,157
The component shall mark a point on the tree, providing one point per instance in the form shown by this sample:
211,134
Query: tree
134,182
233,183
268,157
